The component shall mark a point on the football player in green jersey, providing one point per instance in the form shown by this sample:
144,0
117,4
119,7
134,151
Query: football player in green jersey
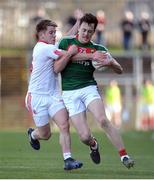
80,90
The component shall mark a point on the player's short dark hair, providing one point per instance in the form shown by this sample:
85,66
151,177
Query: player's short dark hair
90,19
42,25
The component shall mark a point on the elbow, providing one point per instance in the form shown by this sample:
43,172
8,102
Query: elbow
57,67
56,70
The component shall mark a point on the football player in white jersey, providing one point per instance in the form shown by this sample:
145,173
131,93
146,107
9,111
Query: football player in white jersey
43,98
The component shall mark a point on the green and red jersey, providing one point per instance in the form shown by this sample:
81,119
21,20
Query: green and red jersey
78,74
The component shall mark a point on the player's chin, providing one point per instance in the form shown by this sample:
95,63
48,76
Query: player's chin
86,40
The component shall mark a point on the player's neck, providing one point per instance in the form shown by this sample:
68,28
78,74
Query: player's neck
43,41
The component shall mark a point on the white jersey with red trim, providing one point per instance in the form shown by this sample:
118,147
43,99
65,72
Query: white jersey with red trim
43,79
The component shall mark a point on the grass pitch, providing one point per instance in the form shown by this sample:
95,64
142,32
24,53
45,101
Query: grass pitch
19,161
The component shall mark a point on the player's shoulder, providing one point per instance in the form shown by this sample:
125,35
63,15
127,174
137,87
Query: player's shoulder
99,46
66,41
67,38
43,48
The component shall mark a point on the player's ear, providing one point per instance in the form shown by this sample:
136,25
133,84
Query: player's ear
41,34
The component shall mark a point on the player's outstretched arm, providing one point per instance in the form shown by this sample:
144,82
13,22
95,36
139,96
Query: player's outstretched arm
74,29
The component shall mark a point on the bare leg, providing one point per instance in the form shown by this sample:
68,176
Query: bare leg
98,110
37,134
42,133
61,119
80,123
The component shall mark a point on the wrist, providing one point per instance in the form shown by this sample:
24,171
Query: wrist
90,56
69,54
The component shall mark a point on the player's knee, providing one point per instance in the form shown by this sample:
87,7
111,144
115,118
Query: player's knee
84,137
46,135
104,122
64,127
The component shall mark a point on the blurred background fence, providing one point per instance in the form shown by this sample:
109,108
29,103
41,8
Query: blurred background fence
17,22
18,17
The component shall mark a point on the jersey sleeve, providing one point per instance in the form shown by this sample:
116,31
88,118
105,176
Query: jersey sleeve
53,52
101,48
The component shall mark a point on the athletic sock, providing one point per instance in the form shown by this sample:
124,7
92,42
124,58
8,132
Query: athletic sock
93,144
123,154
66,155
32,135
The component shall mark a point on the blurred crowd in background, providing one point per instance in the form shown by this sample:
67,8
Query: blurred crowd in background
117,113
127,24
122,25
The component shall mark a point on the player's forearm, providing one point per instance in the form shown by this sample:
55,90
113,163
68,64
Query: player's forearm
61,63
116,66
82,57
74,29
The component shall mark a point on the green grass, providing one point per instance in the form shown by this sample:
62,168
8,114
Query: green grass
19,161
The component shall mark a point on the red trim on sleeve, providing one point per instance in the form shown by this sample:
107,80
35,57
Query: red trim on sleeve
57,52
43,41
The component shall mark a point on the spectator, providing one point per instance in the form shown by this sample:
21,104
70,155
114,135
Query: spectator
144,27
147,106
113,103
127,26
100,27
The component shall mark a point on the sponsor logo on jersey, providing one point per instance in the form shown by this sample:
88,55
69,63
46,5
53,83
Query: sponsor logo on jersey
86,50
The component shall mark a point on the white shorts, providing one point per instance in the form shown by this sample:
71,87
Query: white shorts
77,101
42,107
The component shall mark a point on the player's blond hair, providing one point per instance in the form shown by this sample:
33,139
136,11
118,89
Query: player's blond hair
42,25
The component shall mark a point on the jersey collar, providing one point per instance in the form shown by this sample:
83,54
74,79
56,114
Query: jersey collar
77,38
43,41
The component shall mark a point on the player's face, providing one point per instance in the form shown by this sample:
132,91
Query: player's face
85,32
49,35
